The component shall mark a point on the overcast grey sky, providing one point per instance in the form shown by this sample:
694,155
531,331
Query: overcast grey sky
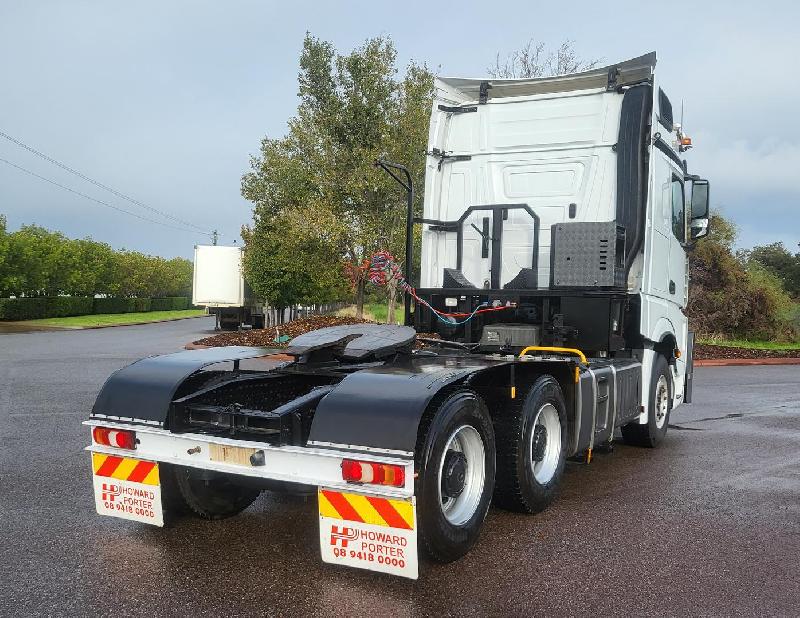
166,100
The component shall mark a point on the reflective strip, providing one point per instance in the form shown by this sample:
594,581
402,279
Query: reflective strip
125,469
366,509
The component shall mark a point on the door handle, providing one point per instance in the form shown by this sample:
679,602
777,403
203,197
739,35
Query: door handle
671,287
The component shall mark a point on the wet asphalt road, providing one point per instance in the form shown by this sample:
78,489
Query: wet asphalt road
707,525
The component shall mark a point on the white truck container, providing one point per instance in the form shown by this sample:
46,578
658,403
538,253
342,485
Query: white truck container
219,285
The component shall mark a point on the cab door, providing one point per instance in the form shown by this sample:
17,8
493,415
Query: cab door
678,264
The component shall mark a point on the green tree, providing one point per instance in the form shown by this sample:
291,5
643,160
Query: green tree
37,262
319,181
31,262
180,273
286,265
777,259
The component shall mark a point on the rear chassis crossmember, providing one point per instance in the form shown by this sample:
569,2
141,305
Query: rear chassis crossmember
319,467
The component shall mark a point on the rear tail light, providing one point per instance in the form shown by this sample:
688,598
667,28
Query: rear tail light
118,438
373,473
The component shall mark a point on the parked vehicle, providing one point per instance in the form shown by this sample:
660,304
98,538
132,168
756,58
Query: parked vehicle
219,285
557,214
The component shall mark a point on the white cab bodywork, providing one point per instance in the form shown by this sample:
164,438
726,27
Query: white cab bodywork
548,151
550,143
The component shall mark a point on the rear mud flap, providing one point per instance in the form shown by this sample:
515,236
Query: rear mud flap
368,532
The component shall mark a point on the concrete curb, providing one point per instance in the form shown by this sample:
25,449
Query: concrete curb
743,362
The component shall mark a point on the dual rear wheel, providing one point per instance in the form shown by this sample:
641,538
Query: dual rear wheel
462,466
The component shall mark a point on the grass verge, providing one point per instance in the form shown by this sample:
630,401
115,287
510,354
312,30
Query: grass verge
114,319
375,312
752,345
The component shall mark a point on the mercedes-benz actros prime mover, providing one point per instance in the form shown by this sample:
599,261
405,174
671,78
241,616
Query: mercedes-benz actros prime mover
552,291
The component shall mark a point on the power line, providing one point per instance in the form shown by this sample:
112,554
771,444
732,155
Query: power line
119,194
101,202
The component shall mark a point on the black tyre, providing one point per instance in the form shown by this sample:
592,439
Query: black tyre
212,496
456,460
652,433
531,451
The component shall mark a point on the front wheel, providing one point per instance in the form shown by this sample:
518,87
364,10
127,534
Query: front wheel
456,478
652,433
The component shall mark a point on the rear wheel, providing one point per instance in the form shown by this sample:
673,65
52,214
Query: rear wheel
532,449
210,495
456,478
652,433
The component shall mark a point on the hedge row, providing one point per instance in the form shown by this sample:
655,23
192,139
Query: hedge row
45,307
121,305
170,303
62,306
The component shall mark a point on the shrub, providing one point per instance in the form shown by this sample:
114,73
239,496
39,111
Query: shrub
733,298
770,305
121,305
44,307
169,303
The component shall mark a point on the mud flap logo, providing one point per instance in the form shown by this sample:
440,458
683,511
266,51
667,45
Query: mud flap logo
343,536
111,491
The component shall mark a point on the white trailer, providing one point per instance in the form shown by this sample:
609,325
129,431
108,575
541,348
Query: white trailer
557,215
219,285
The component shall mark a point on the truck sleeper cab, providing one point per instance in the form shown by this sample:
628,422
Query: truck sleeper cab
553,272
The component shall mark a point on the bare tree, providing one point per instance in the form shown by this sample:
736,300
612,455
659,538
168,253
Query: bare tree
535,60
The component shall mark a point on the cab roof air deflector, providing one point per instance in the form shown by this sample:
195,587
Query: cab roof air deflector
461,90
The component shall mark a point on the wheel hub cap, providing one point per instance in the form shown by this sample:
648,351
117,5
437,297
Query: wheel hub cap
454,474
662,401
545,443
462,475
539,443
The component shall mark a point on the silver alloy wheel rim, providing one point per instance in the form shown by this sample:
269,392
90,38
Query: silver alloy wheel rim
662,401
543,470
466,440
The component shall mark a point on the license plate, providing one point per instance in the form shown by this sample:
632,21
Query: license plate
368,532
127,488
238,455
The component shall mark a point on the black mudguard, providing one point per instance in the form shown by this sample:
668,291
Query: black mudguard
380,408
145,389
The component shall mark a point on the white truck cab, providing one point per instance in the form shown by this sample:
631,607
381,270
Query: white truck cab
590,148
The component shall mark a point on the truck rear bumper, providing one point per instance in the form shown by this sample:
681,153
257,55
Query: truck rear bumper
320,467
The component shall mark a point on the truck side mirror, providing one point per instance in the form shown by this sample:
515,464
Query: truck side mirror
698,225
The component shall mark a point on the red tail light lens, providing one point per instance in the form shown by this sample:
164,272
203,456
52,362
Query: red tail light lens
351,471
118,438
373,473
